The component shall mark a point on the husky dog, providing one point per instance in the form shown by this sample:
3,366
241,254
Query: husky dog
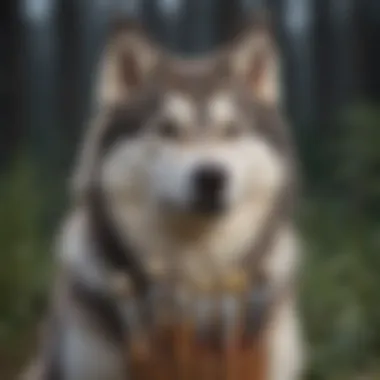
187,169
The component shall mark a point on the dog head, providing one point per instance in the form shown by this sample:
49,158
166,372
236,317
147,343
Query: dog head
196,137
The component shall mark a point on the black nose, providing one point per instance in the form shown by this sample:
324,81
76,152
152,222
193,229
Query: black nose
209,179
209,184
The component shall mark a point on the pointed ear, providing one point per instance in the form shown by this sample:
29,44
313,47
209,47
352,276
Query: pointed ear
255,60
128,59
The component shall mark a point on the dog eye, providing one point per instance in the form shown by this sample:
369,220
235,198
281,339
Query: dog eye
168,129
233,130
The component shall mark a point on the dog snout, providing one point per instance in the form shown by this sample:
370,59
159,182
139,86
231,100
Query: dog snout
209,179
209,184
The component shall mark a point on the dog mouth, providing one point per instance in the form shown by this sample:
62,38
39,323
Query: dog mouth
205,207
209,204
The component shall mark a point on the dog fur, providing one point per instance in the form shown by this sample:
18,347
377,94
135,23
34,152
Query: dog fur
159,119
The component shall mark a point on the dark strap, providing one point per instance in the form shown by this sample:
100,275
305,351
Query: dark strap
264,299
262,305
111,247
101,309
281,210
114,250
52,366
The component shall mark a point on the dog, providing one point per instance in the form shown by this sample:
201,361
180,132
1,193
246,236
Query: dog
187,172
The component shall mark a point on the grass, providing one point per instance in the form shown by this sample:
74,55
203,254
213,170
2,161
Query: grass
339,293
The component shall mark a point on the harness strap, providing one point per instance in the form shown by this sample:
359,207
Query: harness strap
113,250
265,299
280,211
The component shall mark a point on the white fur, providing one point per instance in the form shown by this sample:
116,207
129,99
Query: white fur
77,253
179,108
87,355
286,352
222,109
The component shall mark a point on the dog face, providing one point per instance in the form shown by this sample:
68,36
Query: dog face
209,157
193,137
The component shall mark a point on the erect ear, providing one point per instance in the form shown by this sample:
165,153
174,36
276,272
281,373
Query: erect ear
255,60
128,59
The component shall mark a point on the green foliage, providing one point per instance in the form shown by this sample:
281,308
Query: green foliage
25,266
358,157
340,292
341,227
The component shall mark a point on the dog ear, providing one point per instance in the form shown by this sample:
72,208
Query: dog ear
127,61
255,59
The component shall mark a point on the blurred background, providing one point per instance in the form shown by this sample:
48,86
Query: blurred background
48,53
